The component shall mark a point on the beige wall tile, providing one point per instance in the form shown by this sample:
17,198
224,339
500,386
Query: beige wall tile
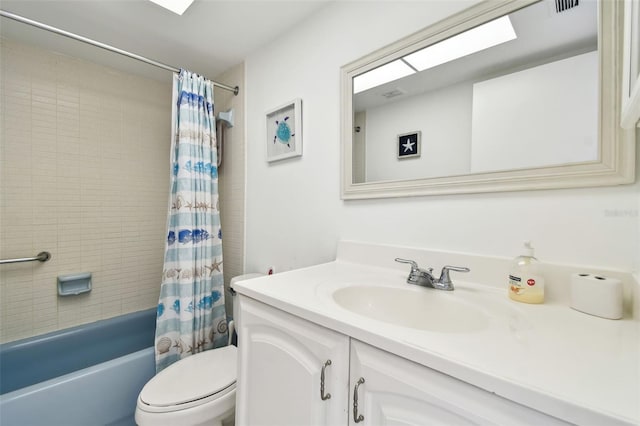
231,182
84,154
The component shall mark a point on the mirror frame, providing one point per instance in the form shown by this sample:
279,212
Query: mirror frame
631,83
616,164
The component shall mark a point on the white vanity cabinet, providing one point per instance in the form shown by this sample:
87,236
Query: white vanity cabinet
279,382
280,364
396,391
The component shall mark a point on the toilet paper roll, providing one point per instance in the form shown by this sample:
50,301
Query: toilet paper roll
596,295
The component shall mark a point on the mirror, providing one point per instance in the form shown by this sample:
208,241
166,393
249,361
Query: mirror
505,96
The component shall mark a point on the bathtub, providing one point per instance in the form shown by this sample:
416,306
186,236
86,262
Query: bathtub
87,375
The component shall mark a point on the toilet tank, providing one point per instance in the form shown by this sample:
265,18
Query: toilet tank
231,293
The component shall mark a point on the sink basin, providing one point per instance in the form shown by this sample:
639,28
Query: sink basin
419,308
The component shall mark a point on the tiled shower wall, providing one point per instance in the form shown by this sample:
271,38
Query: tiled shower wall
84,154
232,177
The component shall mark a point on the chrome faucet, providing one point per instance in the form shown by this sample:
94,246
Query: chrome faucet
423,277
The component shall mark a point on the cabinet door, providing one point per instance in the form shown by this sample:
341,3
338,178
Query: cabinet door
400,392
281,358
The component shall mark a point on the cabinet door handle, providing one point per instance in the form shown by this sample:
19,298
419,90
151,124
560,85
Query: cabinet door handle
357,418
322,395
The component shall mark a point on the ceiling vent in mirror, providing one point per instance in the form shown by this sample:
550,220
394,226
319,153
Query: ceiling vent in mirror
393,93
563,5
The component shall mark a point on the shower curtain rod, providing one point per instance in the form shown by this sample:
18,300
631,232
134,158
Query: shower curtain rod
68,34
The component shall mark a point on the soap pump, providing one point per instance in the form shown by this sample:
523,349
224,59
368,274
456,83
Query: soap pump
526,283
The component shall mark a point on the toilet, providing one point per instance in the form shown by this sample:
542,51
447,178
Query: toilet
178,395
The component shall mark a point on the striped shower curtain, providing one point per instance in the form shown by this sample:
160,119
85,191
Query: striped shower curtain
191,314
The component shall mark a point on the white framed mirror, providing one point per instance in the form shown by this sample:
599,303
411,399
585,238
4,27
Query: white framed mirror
631,71
527,96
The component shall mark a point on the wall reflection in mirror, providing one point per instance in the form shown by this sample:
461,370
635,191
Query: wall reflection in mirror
520,91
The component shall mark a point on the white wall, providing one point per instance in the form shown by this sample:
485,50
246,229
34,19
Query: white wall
294,213
444,118
555,102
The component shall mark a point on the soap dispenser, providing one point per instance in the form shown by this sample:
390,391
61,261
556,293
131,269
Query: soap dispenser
526,283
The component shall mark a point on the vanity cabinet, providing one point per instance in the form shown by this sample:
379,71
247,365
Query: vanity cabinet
280,375
397,391
281,358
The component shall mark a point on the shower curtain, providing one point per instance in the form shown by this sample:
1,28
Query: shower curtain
191,315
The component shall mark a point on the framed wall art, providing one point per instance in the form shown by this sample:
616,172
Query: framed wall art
284,131
409,145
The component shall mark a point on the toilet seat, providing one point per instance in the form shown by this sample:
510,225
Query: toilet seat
182,386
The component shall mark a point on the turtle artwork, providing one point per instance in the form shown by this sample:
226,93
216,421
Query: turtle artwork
283,132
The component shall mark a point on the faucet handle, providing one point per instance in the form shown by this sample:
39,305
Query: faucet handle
444,275
414,265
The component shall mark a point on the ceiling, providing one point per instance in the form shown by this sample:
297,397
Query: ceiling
209,38
543,35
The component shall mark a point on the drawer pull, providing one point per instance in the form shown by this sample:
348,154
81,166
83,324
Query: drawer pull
357,418
322,395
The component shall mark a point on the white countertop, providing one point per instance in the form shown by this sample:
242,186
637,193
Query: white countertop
576,367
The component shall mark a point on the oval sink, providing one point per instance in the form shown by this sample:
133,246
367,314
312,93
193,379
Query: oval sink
420,308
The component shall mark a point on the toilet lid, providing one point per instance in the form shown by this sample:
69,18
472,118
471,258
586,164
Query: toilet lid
192,378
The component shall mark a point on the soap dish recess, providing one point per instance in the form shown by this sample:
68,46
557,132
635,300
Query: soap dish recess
74,284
